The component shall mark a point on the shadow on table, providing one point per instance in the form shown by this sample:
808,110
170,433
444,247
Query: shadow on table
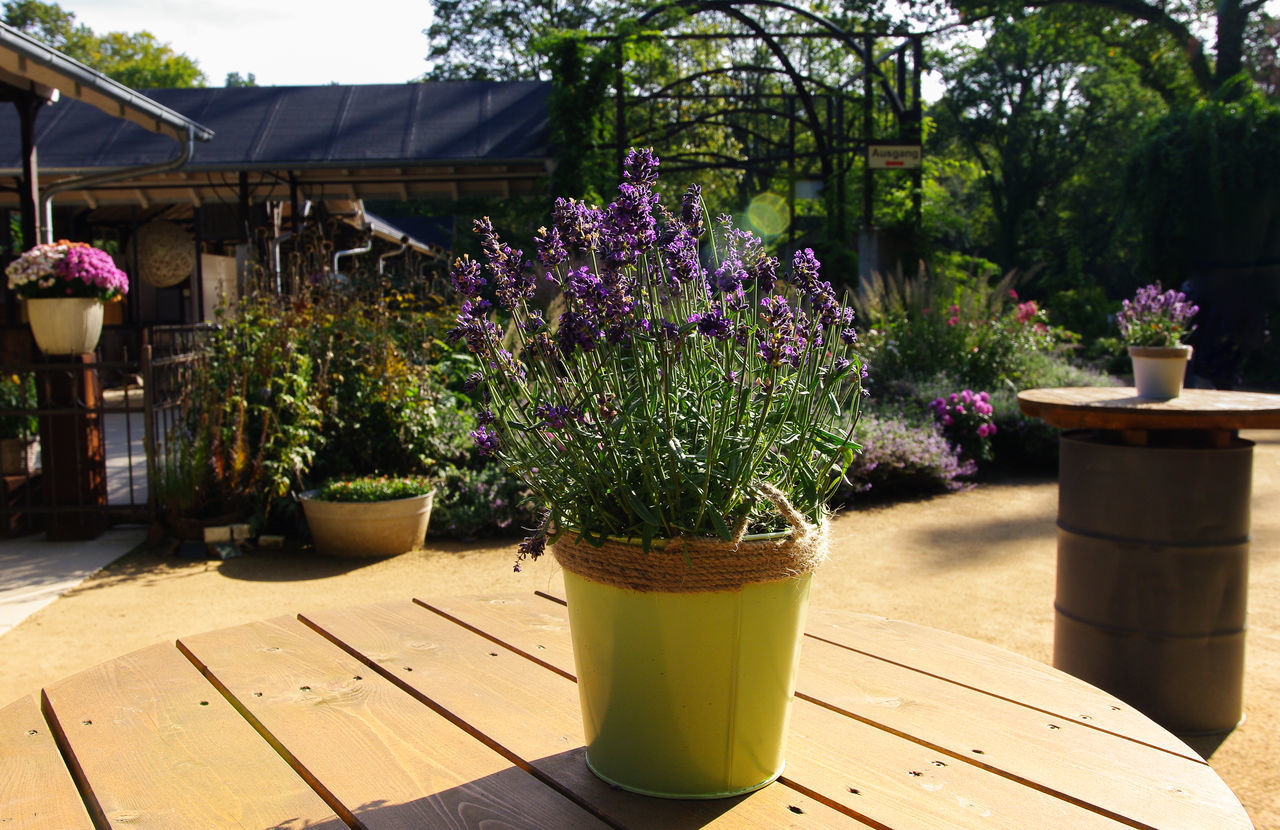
516,798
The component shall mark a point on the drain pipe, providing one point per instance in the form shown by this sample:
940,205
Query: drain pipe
76,183
350,252
275,255
383,257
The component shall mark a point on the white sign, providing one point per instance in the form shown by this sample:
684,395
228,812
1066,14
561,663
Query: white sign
893,156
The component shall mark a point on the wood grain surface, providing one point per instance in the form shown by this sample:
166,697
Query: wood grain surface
1120,408
459,713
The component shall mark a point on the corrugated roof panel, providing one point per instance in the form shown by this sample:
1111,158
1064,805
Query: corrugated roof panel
297,127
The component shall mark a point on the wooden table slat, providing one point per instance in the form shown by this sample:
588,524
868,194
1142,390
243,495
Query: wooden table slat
36,791
992,670
157,746
386,759
880,770
1112,775
531,713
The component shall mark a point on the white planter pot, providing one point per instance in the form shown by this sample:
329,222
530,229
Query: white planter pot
379,528
1158,370
65,325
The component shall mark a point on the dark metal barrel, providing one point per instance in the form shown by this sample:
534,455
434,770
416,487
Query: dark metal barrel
1153,567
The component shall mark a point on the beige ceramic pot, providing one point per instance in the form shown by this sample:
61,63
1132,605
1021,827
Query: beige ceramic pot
379,528
65,325
1158,370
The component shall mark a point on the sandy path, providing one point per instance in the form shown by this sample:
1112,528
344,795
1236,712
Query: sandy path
978,563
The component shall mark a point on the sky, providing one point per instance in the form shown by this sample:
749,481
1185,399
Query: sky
281,42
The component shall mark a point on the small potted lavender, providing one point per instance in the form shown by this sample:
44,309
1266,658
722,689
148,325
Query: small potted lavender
1153,324
681,420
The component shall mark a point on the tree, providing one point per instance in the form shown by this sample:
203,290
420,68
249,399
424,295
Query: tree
1235,25
495,39
1048,109
236,79
135,60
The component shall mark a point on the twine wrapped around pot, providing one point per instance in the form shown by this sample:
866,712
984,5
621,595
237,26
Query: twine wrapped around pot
166,253
689,564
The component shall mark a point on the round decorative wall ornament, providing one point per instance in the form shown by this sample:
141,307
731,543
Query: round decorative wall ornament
166,253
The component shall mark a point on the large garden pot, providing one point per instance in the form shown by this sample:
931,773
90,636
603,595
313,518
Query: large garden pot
1158,370
65,325
379,528
687,693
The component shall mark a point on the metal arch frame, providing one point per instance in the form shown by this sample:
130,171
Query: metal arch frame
839,143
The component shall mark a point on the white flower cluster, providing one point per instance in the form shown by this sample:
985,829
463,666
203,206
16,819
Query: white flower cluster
37,265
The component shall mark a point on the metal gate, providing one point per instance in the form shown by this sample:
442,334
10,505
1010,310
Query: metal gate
93,433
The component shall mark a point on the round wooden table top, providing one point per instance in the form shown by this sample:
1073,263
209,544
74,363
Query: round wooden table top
1120,408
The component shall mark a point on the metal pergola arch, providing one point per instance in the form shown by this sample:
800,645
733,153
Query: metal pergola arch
883,89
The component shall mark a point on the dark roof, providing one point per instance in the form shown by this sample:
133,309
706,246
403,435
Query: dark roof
452,122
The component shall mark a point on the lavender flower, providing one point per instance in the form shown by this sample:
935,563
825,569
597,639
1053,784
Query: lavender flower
1154,318
466,276
691,211
551,250
486,440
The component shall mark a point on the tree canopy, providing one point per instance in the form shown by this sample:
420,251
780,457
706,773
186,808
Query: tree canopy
136,60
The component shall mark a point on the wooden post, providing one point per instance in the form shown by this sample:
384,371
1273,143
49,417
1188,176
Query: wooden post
73,449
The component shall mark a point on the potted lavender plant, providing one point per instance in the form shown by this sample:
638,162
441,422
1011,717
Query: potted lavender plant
65,285
677,421
1153,324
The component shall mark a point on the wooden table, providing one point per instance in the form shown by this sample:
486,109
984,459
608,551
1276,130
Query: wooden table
464,713
1153,545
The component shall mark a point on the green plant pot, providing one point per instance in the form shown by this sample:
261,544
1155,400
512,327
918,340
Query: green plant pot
687,695
379,528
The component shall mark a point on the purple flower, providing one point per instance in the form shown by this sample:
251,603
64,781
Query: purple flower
640,167
486,440
713,324
804,270
551,250
691,211
577,223
557,417
577,331
466,276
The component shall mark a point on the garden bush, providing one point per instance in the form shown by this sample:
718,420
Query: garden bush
901,458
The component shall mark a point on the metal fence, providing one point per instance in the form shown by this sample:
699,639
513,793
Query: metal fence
94,435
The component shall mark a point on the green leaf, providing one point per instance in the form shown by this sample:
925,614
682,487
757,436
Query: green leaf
722,529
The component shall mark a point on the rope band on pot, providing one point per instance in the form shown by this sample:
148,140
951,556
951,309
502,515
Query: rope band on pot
689,564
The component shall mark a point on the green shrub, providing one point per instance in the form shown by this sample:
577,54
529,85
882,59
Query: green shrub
18,392
375,488
481,501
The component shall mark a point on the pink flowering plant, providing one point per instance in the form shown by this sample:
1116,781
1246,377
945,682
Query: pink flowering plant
1155,317
682,373
66,269
966,420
